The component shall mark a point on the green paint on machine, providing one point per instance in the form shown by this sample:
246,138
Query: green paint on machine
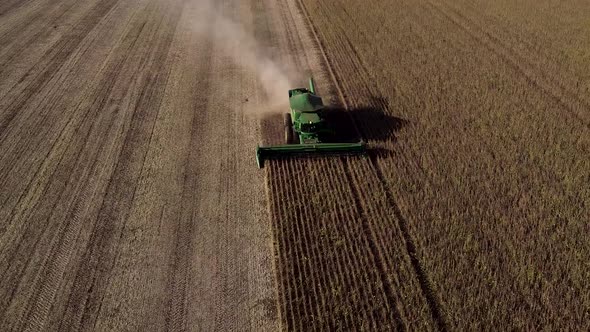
305,126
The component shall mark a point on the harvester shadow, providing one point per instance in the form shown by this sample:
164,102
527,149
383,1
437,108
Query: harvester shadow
372,123
369,123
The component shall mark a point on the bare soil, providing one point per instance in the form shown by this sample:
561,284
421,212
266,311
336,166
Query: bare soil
129,193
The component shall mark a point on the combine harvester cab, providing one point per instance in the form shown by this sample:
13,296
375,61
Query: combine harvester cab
305,126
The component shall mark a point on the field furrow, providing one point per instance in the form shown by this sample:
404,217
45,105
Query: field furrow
130,197
123,200
573,102
456,90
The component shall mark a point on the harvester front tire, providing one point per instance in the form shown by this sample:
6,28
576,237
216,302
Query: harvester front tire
288,129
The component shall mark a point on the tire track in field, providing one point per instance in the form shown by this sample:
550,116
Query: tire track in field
493,32
294,294
367,258
383,162
337,270
25,33
326,268
143,105
93,276
54,115
21,253
535,168
545,66
9,15
558,93
50,63
419,270
570,101
10,5
58,257
16,65
552,176
311,265
105,87
292,310
294,40
185,229
302,269
361,66
62,240
381,265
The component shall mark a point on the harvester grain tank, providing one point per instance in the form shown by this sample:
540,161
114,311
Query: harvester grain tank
306,128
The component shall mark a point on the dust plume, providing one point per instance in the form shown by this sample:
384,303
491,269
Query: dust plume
243,49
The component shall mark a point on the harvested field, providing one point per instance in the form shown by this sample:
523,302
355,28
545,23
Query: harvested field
129,193
130,197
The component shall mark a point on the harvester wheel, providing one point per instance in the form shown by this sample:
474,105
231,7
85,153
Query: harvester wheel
288,129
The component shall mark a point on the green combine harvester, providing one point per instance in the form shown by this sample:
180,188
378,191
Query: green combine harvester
306,129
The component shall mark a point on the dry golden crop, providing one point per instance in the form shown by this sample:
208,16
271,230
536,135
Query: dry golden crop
473,214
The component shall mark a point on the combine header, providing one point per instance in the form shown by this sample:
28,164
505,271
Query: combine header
306,130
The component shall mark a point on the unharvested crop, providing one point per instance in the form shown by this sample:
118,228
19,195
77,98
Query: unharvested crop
478,190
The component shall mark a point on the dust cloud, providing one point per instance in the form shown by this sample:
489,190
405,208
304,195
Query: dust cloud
243,49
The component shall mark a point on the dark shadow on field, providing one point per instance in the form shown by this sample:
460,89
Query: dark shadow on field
372,122
369,123
378,153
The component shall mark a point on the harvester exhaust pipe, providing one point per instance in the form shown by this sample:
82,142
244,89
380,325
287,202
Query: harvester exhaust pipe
311,85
